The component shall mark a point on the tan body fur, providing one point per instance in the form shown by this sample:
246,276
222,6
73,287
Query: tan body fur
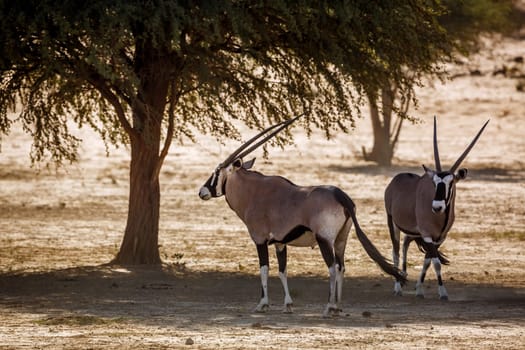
281,206
408,199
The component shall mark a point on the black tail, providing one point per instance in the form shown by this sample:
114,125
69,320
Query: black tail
370,249
423,248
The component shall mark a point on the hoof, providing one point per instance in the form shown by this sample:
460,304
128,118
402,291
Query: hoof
332,312
262,308
398,290
420,296
288,309
443,297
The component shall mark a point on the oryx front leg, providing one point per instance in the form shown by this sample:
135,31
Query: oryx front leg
420,291
430,248
443,295
432,255
262,251
281,252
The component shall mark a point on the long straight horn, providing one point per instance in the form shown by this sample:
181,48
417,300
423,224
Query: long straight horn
462,157
236,153
283,125
436,152
232,156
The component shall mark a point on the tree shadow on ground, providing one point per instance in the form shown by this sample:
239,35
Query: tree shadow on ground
172,295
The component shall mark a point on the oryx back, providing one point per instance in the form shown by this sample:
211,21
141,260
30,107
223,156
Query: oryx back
276,210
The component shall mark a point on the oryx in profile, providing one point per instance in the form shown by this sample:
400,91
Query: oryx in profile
422,207
276,211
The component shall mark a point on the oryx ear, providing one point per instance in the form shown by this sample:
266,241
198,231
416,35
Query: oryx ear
248,165
461,174
237,164
429,172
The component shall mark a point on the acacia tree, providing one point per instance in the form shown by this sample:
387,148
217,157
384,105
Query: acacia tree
143,73
385,127
465,21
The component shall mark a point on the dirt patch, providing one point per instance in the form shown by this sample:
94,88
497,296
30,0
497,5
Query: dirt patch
58,231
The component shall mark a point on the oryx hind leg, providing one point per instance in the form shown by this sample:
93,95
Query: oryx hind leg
327,251
281,252
406,243
339,250
395,235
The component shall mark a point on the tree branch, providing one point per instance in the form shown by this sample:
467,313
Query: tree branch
399,120
174,97
113,99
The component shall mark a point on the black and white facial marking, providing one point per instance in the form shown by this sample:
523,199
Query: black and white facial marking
443,183
214,186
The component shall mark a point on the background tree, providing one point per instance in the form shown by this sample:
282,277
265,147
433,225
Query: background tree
143,73
465,22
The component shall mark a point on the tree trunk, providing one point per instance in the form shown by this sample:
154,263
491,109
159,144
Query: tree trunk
140,243
382,150
386,134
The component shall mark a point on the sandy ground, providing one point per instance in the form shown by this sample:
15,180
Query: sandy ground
58,231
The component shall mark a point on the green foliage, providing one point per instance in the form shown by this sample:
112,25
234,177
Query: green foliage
128,67
465,20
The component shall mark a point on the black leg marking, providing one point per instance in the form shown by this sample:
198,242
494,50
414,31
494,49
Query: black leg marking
422,278
431,250
406,243
262,252
440,280
433,253
395,241
281,258
340,261
327,250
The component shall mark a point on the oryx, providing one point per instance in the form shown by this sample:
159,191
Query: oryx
276,211
422,207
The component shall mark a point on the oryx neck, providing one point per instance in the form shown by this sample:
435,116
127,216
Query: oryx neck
238,187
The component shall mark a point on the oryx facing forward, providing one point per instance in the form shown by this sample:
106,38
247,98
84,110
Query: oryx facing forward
275,211
422,207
